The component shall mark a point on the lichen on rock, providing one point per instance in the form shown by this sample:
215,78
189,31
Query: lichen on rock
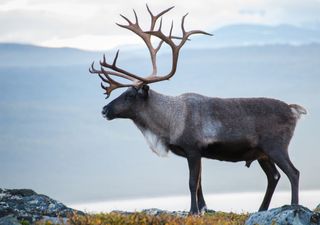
285,215
25,204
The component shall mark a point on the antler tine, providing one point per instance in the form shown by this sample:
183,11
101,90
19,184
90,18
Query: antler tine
186,35
189,33
161,42
92,69
171,28
109,80
125,74
103,62
154,18
149,10
129,21
182,24
115,59
146,37
104,79
175,48
161,13
135,16
159,46
107,73
160,25
113,84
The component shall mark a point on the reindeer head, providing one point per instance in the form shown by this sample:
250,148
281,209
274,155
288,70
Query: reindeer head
125,105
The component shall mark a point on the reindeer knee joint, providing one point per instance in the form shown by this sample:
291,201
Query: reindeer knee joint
297,173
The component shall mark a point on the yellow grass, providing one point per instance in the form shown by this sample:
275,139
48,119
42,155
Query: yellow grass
114,218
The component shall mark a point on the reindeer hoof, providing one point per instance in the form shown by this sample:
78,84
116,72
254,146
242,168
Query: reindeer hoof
194,213
203,210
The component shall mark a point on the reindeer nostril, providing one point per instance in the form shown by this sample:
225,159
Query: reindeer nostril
104,111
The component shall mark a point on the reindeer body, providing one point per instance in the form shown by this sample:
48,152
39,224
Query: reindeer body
234,129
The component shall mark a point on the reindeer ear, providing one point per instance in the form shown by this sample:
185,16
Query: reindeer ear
145,87
144,90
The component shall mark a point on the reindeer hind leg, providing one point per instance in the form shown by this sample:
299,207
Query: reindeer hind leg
273,176
281,158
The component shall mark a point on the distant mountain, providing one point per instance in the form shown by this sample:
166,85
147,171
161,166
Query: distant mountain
254,34
12,54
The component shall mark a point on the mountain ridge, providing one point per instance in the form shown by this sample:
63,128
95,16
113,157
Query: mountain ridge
241,34
37,56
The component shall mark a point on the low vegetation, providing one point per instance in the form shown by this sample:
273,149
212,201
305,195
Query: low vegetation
114,218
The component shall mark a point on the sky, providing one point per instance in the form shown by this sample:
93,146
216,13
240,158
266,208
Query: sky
91,24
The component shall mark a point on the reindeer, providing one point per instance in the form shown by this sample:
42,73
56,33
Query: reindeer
195,126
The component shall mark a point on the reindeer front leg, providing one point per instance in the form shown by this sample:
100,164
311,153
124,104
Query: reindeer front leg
194,163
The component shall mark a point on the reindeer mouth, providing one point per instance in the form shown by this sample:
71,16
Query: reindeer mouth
107,115
104,116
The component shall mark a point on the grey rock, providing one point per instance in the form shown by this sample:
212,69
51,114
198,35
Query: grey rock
157,212
9,220
154,212
285,215
317,209
25,204
55,220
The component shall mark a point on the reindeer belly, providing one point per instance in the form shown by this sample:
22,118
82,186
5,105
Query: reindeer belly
232,151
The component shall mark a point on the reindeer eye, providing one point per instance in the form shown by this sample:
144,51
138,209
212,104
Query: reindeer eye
129,96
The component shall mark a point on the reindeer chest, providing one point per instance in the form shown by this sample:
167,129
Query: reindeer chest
155,143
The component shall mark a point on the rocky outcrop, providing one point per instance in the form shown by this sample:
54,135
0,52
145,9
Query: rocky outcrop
317,209
285,215
25,204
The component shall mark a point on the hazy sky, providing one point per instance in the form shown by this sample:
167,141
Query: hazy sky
91,24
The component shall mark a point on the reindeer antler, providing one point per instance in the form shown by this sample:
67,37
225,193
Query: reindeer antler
114,70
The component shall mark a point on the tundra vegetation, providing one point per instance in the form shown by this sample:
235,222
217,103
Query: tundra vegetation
115,218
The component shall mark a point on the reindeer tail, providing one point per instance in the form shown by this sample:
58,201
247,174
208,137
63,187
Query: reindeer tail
297,110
